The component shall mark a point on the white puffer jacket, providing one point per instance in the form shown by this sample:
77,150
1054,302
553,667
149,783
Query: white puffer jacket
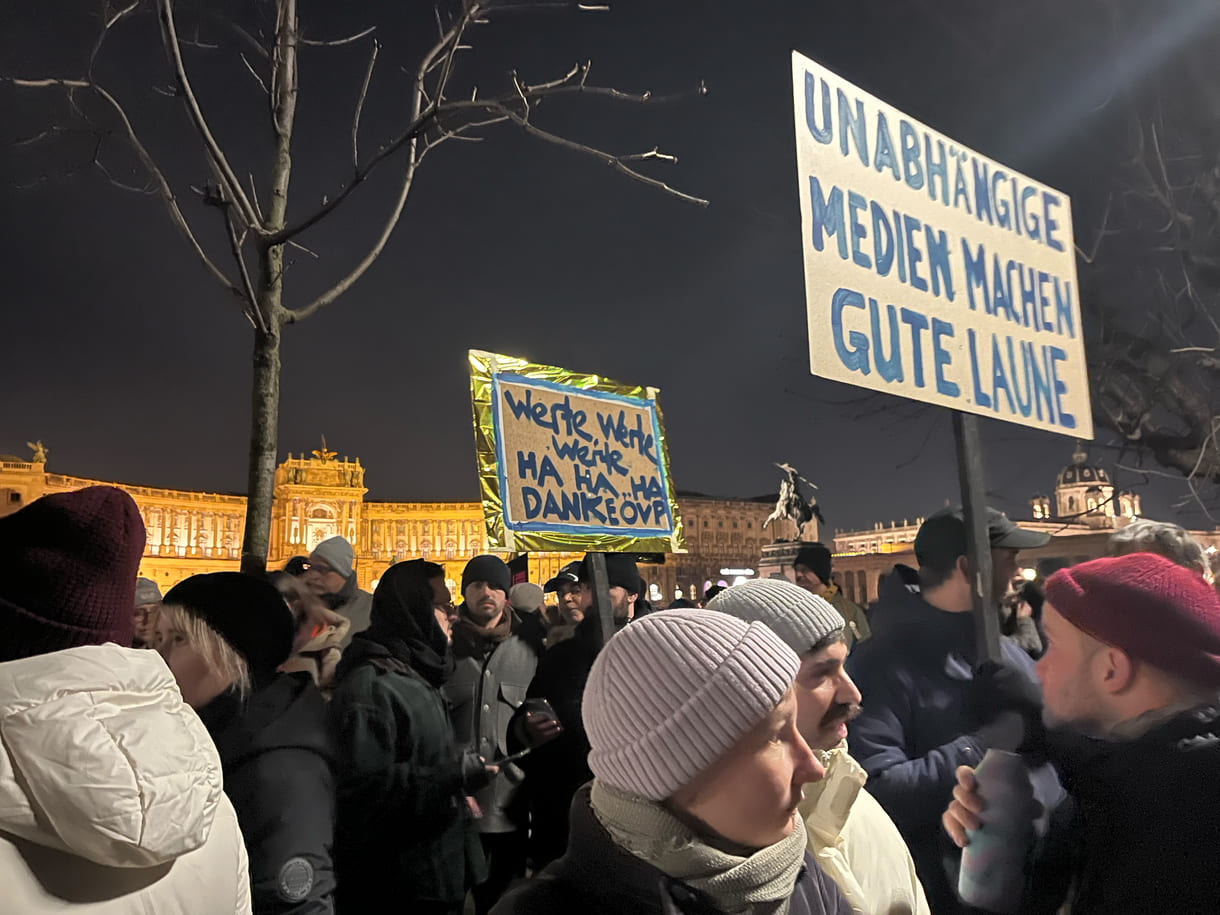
110,792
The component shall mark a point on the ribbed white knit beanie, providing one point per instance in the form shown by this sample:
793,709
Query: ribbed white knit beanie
799,618
672,691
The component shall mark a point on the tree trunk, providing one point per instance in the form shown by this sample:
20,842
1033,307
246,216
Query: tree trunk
264,435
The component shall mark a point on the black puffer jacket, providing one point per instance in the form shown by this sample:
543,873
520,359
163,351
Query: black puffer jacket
597,877
277,760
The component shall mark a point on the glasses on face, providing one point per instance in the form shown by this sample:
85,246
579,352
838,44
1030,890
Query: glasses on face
320,567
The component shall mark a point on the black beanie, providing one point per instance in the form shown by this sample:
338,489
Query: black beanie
816,558
621,572
490,569
247,612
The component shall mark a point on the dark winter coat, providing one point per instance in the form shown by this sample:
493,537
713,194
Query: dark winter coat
556,770
483,694
404,831
1144,835
595,876
277,761
919,723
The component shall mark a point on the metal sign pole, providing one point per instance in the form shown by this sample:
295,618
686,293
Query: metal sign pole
978,544
601,594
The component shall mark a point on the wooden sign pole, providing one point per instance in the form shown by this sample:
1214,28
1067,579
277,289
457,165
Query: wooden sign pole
978,544
600,583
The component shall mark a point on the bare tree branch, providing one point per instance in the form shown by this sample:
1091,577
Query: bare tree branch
364,89
258,79
166,192
334,43
232,186
617,162
255,313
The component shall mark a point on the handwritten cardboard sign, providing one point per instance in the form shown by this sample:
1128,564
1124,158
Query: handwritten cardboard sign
931,271
570,461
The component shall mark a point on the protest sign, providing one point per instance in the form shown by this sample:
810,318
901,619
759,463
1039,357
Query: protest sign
570,461
933,272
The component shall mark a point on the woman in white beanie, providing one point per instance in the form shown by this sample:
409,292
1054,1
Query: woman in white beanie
698,767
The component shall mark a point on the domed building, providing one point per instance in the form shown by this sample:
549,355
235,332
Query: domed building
1085,494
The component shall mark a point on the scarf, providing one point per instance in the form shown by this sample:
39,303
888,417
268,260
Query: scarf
760,883
471,640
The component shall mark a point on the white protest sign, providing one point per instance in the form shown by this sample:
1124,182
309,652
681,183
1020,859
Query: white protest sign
933,272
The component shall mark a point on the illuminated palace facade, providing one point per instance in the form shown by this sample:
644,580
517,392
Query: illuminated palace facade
321,495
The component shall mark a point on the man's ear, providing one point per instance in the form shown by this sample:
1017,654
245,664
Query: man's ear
1116,670
963,566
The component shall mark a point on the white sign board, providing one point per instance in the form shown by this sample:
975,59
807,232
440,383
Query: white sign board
933,272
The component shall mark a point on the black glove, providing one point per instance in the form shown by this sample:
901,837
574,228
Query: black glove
474,772
1000,687
1006,731
1009,705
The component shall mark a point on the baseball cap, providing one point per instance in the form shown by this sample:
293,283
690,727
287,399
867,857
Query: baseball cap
568,575
942,537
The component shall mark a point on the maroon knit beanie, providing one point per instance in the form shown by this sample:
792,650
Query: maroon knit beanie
68,565
1151,608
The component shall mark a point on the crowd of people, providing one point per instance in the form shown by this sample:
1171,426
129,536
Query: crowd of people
294,744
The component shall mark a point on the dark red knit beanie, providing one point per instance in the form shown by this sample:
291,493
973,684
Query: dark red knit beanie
1151,608
68,565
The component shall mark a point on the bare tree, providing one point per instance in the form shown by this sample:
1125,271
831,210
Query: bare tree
1152,293
251,266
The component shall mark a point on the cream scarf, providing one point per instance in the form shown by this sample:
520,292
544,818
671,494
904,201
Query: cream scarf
760,884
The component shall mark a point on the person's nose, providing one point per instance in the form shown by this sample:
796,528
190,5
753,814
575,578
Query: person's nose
807,767
847,693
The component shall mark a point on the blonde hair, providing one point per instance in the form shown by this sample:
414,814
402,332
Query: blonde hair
219,655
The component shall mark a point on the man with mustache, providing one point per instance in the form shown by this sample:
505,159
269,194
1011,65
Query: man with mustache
851,837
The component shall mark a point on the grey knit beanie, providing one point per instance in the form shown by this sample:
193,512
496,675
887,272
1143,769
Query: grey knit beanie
337,553
671,692
147,592
799,618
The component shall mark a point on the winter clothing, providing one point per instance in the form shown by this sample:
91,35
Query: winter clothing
277,760
942,538
402,815
923,716
526,597
708,678
488,685
857,844
493,669
799,618
1142,835
816,558
856,628
247,612
110,791
490,569
337,553
68,564
320,655
1148,606
147,592
621,572
597,876
849,834
555,770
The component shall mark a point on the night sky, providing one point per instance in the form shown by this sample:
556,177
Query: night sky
131,364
